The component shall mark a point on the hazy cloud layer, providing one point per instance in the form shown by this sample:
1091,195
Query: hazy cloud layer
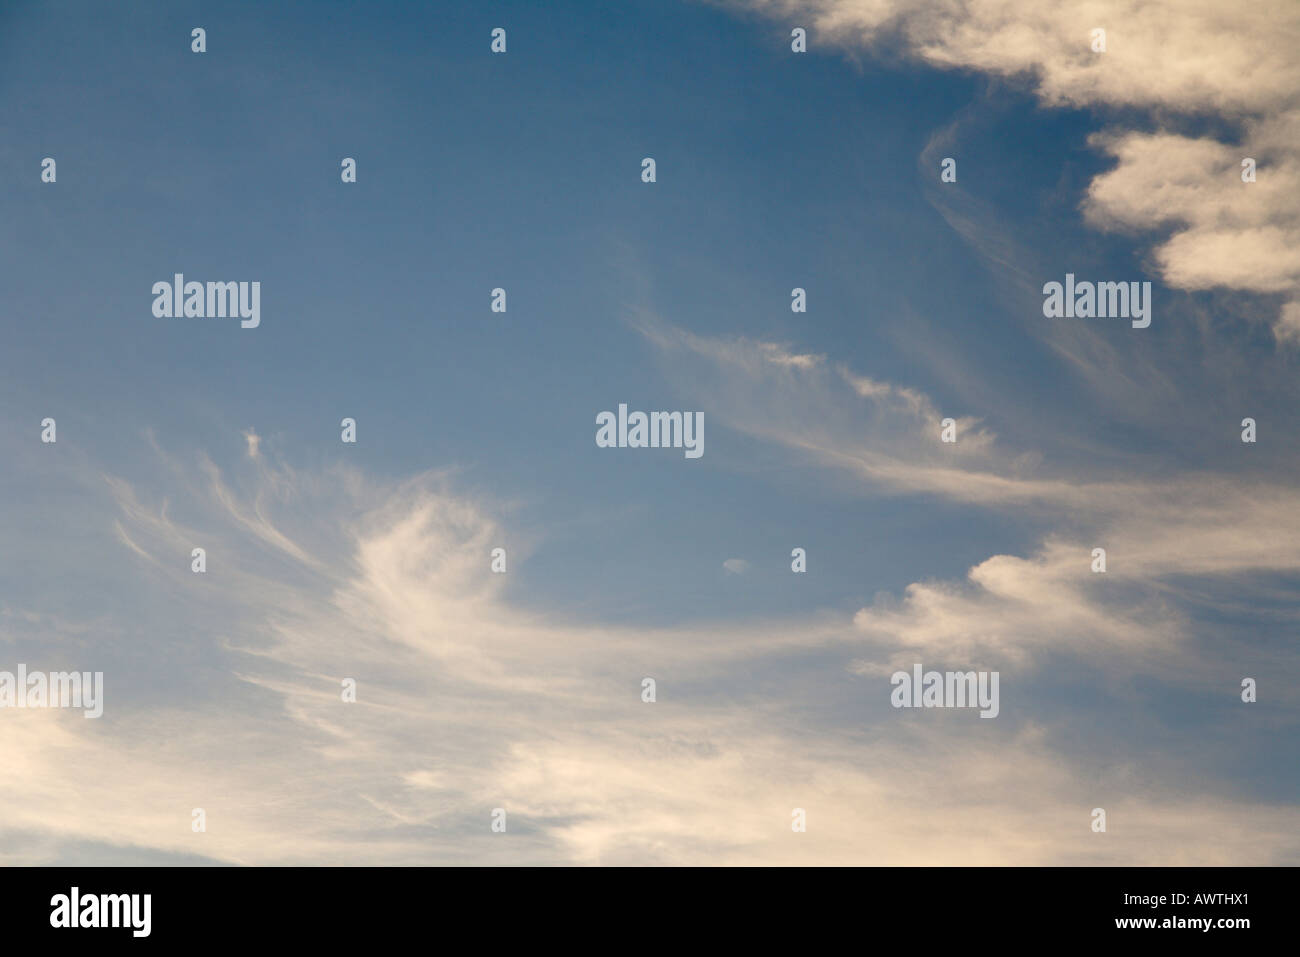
467,702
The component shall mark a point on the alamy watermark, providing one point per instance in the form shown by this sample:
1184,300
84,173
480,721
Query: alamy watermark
1101,300
58,689
656,430
946,689
75,909
214,300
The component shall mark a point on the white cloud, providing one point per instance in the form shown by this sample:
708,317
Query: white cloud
466,702
1169,58
1166,537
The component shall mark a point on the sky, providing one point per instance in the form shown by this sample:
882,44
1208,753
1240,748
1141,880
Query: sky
370,561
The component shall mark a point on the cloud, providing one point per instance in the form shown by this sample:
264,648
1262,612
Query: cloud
1189,55
916,798
735,566
1174,61
466,702
1226,233
750,383
1012,609
888,436
1169,539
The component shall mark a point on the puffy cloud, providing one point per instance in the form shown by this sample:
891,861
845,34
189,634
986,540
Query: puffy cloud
1180,54
1172,59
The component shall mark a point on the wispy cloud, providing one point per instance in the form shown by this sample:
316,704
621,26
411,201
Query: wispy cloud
467,702
1164,536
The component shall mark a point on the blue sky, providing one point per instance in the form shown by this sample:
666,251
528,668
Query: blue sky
476,429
